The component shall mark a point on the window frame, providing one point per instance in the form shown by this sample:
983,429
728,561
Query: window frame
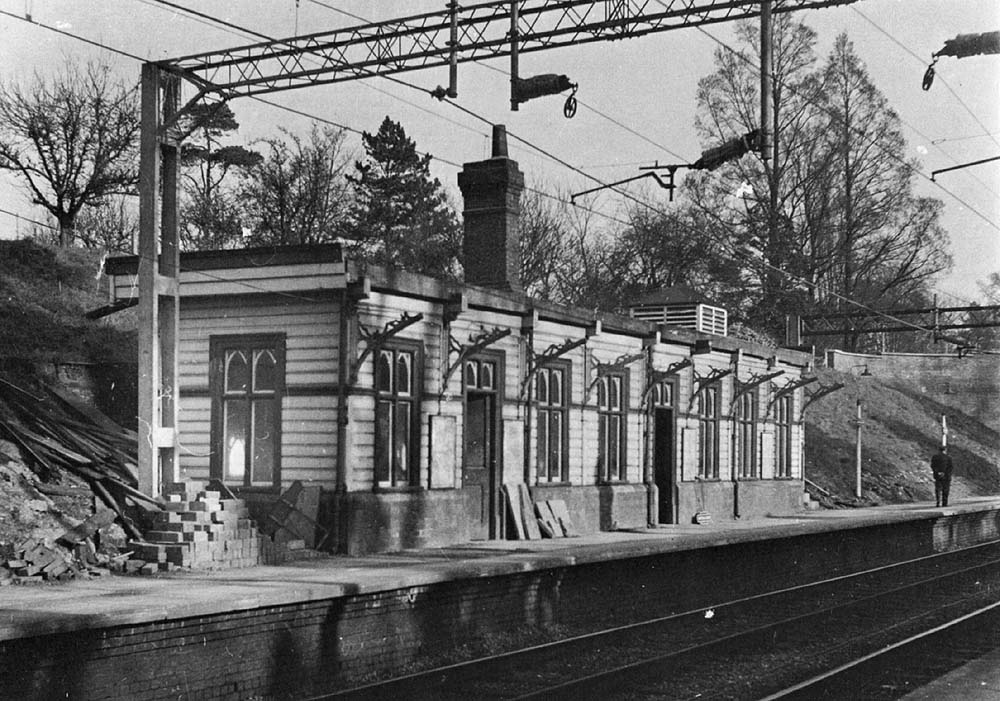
783,424
219,346
708,432
605,413
414,400
656,395
564,369
744,432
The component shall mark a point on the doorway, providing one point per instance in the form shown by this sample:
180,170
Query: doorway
663,462
481,454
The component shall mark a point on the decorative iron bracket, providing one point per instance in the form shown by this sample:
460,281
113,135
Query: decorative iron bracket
788,389
604,369
374,340
700,382
657,376
755,381
820,392
536,360
476,343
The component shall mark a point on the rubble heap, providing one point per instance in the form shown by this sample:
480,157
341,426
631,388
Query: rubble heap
196,529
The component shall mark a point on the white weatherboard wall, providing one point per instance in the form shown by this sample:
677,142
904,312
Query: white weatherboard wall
309,408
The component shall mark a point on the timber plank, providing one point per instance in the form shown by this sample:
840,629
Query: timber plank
531,529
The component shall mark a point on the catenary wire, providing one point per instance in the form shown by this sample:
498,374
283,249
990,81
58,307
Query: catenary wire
889,154
764,264
986,131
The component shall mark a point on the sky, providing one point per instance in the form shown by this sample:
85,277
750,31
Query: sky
637,96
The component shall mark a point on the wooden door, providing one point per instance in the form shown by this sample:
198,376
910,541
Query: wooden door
664,469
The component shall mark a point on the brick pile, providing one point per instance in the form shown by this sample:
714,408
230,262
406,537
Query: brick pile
197,529
36,561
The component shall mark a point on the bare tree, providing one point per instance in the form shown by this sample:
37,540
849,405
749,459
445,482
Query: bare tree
71,139
111,225
297,194
889,244
543,227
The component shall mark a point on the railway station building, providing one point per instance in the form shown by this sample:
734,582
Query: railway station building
417,404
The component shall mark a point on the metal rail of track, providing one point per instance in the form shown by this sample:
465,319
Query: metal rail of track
632,659
905,666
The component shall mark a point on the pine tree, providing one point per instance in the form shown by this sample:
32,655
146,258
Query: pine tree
210,213
401,216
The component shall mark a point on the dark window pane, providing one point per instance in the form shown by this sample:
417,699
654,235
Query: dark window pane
265,371
614,446
264,441
471,374
543,387
475,432
383,372
237,371
602,393
556,390
488,371
404,365
555,445
401,444
383,439
543,444
235,436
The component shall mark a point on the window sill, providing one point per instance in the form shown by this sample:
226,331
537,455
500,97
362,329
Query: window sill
238,489
398,489
553,484
612,483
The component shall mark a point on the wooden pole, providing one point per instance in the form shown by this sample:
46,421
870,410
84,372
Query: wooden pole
168,298
147,249
857,456
514,41
765,79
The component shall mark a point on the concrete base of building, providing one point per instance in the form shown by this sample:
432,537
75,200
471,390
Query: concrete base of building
392,521
738,500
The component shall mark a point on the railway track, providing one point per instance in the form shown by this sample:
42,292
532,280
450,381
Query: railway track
748,648
905,666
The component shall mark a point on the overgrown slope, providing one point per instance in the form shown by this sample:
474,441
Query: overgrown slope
901,430
44,293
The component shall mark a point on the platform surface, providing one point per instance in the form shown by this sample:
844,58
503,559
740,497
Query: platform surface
978,680
27,611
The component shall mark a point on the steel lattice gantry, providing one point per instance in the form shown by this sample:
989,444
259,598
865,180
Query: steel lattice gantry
456,34
481,31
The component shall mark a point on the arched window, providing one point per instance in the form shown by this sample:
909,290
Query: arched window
247,381
396,415
611,427
745,436
708,433
552,435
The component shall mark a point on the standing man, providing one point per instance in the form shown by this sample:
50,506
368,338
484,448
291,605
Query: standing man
941,467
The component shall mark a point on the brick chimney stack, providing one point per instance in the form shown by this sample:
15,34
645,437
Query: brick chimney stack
492,193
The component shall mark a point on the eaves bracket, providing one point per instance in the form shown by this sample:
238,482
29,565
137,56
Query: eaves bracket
476,343
375,339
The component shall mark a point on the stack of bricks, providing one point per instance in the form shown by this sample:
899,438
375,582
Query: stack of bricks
199,530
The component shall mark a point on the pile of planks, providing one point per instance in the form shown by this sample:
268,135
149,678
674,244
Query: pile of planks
548,518
55,431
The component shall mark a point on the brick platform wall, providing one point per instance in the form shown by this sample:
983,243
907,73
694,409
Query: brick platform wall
294,651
